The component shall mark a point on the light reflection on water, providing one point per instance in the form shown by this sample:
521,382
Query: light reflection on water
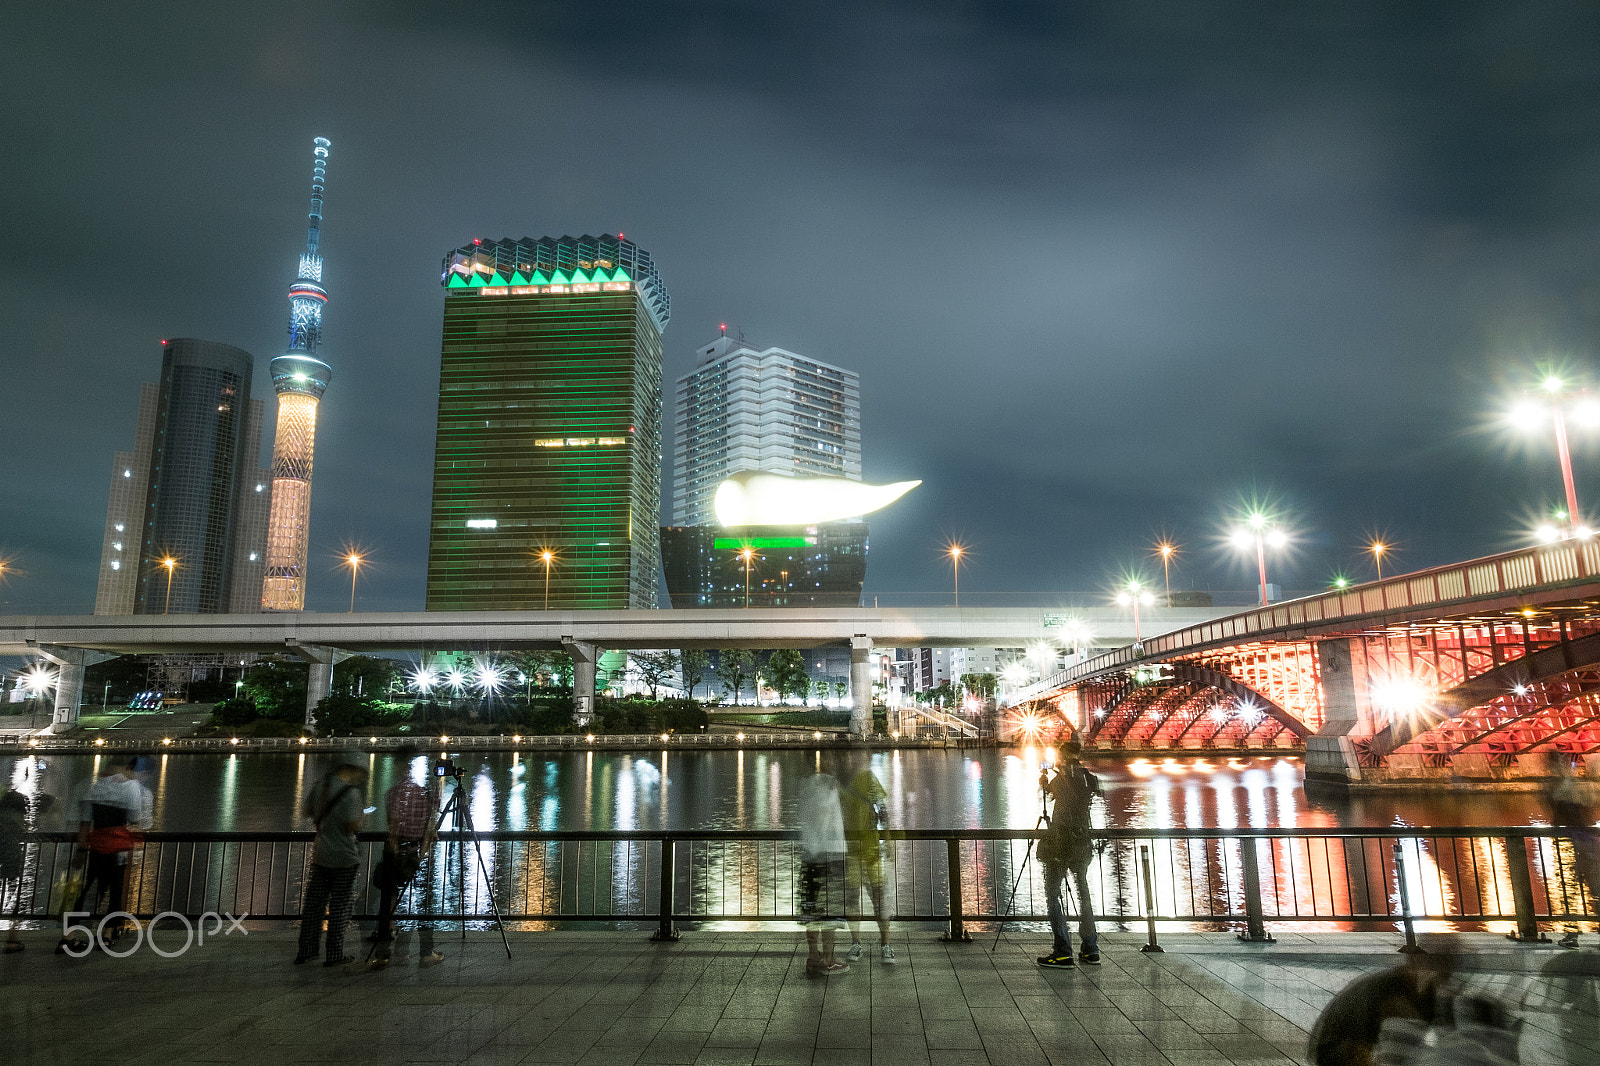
684,790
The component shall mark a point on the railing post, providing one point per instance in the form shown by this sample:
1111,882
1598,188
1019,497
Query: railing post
1410,946
1254,921
957,933
1522,892
665,931
1149,902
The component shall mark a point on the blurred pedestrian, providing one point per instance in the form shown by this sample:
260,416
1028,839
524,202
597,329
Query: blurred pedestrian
1573,804
862,804
112,817
334,804
1067,849
822,872
412,814
13,857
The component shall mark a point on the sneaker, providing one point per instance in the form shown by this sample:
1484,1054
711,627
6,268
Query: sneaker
1568,941
855,952
431,960
1090,958
378,963
886,955
1062,959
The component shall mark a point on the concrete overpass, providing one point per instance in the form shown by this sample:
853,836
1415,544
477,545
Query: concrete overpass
74,642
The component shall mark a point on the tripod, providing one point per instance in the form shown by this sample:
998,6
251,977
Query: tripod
455,809
1042,823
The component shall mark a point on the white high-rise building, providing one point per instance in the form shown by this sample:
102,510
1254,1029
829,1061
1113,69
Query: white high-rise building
772,410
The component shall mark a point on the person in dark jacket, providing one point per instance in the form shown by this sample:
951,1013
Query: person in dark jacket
1067,848
335,805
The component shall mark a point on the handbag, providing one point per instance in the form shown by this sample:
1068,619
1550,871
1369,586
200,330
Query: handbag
66,890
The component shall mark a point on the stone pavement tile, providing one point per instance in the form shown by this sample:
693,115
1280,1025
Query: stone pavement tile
1002,1019
631,1031
952,1035
785,1051
900,1050
948,1057
694,1017
1246,1047
726,1056
1098,1022
498,1054
600,1056
887,1023
1014,1050
835,1056
568,1047
844,1033
1174,1035
1130,1051
737,1032
675,1047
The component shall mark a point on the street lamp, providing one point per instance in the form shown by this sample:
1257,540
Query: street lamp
1528,414
1377,548
1135,593
748,555
1259,532
353,561
547,557
1166,549
955,552
171,564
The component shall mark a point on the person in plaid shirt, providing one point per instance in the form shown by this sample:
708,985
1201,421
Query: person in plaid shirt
412,814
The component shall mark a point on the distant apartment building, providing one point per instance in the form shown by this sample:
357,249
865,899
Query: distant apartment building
772,410
191,491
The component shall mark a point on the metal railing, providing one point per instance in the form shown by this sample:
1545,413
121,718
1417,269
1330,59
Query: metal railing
1508,878
1564,563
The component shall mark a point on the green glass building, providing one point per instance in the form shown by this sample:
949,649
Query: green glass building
548,436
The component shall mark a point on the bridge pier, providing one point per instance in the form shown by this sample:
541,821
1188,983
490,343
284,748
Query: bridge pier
584,658
70,664
1330,752
860,685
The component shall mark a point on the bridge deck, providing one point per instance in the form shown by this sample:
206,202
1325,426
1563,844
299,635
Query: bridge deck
735,999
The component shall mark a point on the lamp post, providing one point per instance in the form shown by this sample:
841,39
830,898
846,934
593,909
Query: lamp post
955,569
353,561
1258,532
1528,413
748,555
1166,549
547,557
1135,593
171,564
1377,548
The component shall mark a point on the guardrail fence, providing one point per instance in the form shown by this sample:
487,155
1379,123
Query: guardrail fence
1505,879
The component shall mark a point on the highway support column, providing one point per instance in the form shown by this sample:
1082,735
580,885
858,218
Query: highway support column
70,664
584,657
860,685
319,677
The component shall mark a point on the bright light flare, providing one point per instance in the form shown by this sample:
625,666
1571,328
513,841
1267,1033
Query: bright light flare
1030,724
1016,674
39,680
488,678
1552,384
457,679
1547,534
423,679
1398,695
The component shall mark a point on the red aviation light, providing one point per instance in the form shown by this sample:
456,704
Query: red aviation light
475,240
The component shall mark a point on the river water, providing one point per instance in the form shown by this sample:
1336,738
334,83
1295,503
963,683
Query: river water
991,788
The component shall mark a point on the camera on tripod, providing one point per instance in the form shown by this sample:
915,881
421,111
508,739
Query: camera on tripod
446,767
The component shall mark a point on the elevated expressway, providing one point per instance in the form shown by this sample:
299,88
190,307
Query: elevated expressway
1482,670
74,642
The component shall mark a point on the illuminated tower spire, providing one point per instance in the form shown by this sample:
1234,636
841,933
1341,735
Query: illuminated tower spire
299,378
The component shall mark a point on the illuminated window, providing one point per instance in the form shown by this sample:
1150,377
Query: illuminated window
117,545
482,523
252,557
116,564
127,473
580,442
258,489
607,441
119,527
550,442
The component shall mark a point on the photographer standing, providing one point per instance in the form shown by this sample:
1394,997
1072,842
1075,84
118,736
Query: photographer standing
412,815
1067,846
334,804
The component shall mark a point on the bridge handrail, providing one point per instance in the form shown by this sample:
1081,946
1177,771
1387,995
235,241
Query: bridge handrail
1469,875
1568,561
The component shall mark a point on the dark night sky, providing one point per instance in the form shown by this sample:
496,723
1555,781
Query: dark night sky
1106,269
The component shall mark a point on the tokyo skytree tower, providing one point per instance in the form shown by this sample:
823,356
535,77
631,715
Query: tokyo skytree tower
299,378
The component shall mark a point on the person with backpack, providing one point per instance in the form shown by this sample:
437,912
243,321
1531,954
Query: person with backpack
113,815
335,805
1067,847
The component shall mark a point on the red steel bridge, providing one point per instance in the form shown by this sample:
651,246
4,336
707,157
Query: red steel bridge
1466,668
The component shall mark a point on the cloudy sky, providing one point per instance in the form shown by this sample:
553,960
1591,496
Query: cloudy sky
1107,270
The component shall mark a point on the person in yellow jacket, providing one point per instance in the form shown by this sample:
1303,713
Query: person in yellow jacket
862,801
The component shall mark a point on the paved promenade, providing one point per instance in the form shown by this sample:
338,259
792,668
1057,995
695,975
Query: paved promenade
736,999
